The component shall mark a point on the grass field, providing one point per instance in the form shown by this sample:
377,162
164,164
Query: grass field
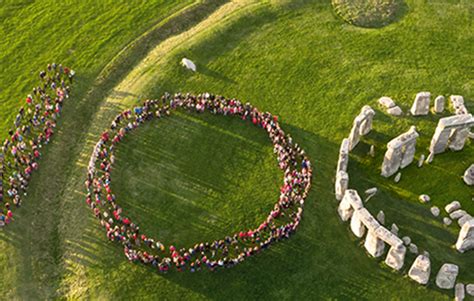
196,177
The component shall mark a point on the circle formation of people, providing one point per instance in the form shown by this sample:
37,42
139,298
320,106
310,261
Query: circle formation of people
33,127
281,222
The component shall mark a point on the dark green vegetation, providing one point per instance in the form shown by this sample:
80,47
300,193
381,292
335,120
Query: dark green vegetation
369,13
293,58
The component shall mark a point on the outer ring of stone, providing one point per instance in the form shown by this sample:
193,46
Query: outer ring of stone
140,247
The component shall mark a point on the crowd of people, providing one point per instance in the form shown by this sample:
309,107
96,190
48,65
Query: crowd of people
280,223
33,127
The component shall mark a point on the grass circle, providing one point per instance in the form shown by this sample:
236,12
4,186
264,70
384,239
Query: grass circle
369,13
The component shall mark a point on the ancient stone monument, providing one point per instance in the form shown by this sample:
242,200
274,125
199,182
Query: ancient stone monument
457,103
400,152
439,104
390,106
361,126
451,132
342,177
421,105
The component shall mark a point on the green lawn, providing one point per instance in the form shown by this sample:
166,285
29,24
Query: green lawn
196,177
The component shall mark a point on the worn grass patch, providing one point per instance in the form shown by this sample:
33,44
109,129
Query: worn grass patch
369,13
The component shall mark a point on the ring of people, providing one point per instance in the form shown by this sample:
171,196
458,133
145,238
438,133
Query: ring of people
280,223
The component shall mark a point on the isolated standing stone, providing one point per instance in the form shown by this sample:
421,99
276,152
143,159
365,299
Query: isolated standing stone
381,217
394,229
446,277
469,175
406,240
398,177
421,269
424,198
459,293
413,248
439,104
447,221
421,160
421,105
470,289
465,240
453,206
372,151
435,211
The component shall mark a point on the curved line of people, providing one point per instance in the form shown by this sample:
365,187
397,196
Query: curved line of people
33,127
281,222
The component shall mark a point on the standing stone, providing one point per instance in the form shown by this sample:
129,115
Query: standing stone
372,151
446,277
421,160
413,248
394,229
439,104
398,177
420,270
465,240
435,211
406,240
396,257
447,221
451,131
350,202
357,226
459,292
400,152
469,175
430,158
341,185
343,161
457,103
361,126
453,206
374,245
457,214
424,198
421,105
470,289
381,217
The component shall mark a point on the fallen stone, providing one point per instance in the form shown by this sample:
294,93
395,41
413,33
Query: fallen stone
469,175
421,160
435,211
447,221
386,102
447,275
395,111
420,270
394,229
457,214
398,177
188,64
453,206
413,248
424,198
371,191
459,292
381,217
470,289
406,240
